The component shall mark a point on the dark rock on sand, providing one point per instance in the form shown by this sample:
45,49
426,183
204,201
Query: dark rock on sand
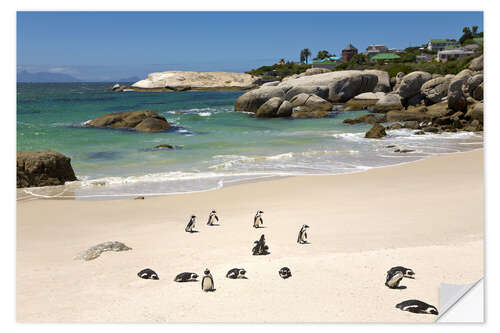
143,120
43,168
376,132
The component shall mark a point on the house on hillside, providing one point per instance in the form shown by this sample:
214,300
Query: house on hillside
425,57
375,49
348,52
440,44
385,57
446,55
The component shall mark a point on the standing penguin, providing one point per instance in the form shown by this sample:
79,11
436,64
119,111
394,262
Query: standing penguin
260,247
257,220
207,283
211,217
191,224
302,238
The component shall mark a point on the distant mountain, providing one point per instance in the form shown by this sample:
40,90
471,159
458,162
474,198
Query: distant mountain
45,77
129,79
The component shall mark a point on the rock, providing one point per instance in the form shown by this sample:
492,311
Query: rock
412,124
383,83
390,146
395,126
311,102
139,198
434,90
387,103
411,83
431,129
95,251
457,115
478,92
314,71
302,113
403,150
476,64
269,108
164,146
181,80
419,133
271,84
285,109
290,92
143,120
43,168
376,132
342,85
471,84
415,100
366,118
476,113
398,78
393,116
253,99
443,121
456,99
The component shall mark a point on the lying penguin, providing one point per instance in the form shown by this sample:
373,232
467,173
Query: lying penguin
285,272
396,274
236,273
257,220
417,306
191,224
207,283
260,247
212,217
302,238
148,273
186,277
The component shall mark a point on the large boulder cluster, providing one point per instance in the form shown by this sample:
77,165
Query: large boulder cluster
143,121
43,168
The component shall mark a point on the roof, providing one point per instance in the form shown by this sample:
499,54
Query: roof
350,47
385,56
442,40
457,51
329,60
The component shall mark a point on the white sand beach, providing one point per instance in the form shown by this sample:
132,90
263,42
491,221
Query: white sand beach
427,215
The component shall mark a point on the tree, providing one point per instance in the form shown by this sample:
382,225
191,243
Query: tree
467,34
474,29
322,55
304,55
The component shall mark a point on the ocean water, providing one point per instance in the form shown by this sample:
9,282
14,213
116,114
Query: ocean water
215,145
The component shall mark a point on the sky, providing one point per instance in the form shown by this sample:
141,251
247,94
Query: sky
99,46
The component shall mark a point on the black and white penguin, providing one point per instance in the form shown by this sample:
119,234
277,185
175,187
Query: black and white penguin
207,283
302,238
236,273
191,224
148,273
260,247
393,278
186,277
285,272
212,217
417,306
257,220
407,272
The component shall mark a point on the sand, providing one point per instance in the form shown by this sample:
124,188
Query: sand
426,215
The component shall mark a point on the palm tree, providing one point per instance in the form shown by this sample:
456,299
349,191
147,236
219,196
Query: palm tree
307,54
474,29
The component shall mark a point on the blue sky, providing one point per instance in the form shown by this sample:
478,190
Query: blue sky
113,45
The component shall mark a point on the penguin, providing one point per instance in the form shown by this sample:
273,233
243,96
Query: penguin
207,283
148,273
417,306
236,273
211,217
407,272
257,220
191,224
393,278
186,277
260,247
302,238
285,273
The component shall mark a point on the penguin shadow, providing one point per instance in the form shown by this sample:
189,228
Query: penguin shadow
305,243
193,231
400,287
214,225
260,227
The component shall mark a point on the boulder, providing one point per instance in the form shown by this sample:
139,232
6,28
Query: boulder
477,94
366,118
363,101
383,83
302,113
253,99
285,109
419,113
376,132
472,83
411,83
394,126
476,64
476,113
143,120
269,108
397,79
435,89
43,168
290,91
182,80
271,84
457,101
317,70
412,124
311,102
387,103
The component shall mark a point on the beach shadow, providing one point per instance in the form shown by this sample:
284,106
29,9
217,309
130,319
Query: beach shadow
213,225
193,231
400,287
262,227
305,243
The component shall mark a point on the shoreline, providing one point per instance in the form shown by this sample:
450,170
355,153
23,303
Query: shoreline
60,189
421,215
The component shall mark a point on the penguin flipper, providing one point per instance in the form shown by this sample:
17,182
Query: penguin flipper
216,218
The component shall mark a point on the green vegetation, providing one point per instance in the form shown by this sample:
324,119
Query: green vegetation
304,55
278,72
322,55
469,35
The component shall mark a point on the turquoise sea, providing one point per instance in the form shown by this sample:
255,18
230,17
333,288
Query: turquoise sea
216,146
